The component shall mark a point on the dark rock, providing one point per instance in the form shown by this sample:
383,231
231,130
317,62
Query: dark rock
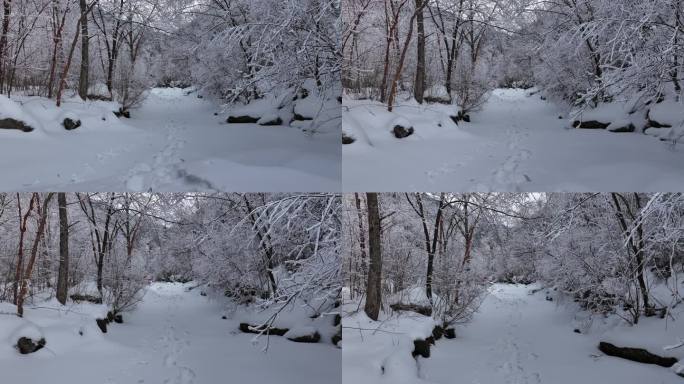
402,132
655,124
99,97
247,328
276,121
450,333
216,114
455,119
636,354
123,113
421,348
102,323
339,99
200,97
302,93
224,317
314,338
118,319
422,309
10,123
430,340
26,345
337,320
466,118
110,316
627,128
337,337
298,117
242,119
88,298
437,332
346,139
577,330
436,100
591,124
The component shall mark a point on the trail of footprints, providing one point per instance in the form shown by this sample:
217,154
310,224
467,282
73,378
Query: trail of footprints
514,355
508,175
174,347
165,163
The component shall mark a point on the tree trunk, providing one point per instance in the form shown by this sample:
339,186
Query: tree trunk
6,12
20,253
83,78
419,86
637,247
26,276
65,71
63,277
373,288
400,66
362,235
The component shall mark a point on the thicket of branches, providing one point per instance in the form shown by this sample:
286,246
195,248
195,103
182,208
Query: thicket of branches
116,49
263,248
607,251
581,51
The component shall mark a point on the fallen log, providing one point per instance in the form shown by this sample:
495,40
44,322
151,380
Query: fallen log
636,354
421,309
247,328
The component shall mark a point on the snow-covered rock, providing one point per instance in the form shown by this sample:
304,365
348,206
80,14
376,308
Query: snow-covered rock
401,127
13,116
303,334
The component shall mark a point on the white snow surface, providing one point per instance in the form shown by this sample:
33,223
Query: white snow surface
172,142
9,109
174,336
300,331
516,337
517,142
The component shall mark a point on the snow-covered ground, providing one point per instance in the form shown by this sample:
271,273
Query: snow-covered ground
172,142
173,337
516,337
515,143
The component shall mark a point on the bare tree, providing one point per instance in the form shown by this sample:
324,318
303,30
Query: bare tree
63,276
26,276
373,290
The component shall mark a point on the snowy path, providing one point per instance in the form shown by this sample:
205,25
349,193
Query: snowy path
178,337
516,143
172,142
518,338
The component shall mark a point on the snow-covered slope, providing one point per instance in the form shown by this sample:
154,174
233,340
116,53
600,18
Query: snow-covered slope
517,336
516,143
173,142
174,336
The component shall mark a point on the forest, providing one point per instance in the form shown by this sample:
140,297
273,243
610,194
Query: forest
95,278
500,286
236,50
510,78
172,86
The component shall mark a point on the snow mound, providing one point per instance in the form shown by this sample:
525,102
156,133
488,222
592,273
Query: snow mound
28,330
9,109
400,121
668,112
300,331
